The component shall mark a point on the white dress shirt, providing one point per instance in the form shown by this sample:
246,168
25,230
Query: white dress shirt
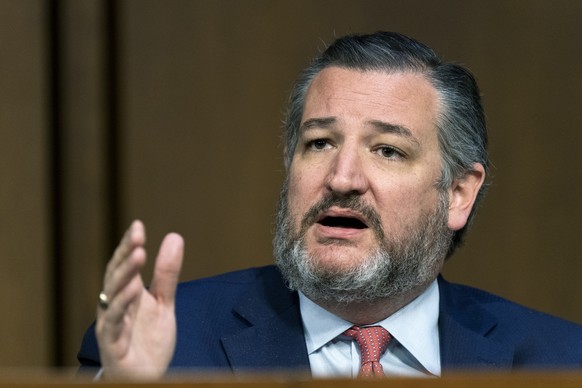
413,351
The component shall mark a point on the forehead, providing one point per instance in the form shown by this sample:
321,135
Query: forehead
407,99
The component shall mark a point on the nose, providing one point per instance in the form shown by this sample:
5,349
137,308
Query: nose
346,173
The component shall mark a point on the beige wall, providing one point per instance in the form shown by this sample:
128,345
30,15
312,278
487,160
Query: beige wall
185,135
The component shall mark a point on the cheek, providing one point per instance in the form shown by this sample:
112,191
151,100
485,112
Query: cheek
304,184
405,204
300,192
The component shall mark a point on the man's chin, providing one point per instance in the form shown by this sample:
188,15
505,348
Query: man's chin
337,258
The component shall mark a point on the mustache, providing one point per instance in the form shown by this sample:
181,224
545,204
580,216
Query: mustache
353,202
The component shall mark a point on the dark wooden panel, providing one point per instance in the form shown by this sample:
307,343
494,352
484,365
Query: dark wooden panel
462,380
25,288
204,85
85,148
202,88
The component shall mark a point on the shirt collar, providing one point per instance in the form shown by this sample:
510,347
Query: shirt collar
414,326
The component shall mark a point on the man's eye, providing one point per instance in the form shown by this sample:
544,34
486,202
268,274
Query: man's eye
389,152
318,144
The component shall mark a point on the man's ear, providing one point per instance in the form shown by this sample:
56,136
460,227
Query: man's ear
462,195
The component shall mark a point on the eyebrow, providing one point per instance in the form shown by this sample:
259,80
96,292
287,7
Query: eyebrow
384,127
324,122
394,128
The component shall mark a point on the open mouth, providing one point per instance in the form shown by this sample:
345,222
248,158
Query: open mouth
342,222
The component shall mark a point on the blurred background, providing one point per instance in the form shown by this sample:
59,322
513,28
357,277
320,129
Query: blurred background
170,111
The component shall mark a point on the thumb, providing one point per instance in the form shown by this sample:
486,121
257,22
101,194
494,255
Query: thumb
167,268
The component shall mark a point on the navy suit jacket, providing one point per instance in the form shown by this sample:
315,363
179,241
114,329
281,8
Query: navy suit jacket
250,321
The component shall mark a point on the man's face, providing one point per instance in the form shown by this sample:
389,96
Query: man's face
363,174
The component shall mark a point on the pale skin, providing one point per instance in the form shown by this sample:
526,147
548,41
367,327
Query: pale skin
372,134
137,332
369,133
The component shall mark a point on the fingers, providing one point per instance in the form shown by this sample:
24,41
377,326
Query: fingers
128,259
126,263
137,327
134,236
167,269
110,323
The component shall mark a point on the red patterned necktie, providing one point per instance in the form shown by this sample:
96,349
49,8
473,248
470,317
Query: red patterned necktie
372,341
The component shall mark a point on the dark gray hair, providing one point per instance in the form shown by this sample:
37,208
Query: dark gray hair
462,132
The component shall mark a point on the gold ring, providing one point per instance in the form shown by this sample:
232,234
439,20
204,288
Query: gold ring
103,300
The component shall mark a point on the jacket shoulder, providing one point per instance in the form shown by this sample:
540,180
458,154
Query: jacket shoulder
241,277
536,337
227,288
460,296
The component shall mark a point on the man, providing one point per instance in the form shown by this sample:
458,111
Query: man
385,150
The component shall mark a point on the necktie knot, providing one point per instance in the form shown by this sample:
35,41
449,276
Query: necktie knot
372,341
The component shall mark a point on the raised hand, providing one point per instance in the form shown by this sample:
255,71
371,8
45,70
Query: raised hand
136,327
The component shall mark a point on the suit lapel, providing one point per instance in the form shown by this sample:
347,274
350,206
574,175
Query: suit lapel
274,339
464,330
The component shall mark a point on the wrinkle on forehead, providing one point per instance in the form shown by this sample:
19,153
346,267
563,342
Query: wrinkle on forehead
405,99
349,84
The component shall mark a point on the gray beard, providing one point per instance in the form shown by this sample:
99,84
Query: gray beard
399,264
